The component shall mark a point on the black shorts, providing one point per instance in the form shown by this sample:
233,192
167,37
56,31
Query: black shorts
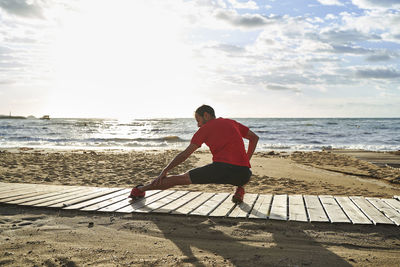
220,173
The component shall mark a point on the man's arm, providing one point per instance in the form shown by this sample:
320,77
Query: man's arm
253,140
181,157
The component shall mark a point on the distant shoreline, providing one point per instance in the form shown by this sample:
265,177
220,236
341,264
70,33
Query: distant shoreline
12,117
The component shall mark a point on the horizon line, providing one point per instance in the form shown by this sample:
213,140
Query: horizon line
234,117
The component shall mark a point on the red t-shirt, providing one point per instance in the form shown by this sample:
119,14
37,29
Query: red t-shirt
224,137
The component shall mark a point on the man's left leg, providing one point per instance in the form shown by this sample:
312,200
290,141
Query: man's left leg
165,183
168,182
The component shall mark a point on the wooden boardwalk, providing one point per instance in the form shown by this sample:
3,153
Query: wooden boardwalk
301,208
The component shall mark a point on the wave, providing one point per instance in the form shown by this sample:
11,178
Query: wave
169,138
319,147
316,133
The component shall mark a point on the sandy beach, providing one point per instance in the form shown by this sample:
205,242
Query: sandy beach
40,237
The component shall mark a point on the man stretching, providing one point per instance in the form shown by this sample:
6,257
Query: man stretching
231,162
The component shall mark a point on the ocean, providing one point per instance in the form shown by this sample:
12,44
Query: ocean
279,134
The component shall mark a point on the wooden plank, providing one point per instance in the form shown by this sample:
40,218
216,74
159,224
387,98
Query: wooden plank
39,194
394,203
14,196
100,193
97,200
372,213
12,187
191,205
138,204
387,210
67,197
161,202
243,209
224,208
355,215
21,193
177,203
333,210
279,208
261,207
210,204
126,202
109,201
315,210
26,186
123,202
54,197
297,210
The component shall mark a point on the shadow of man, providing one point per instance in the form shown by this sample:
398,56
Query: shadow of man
240,242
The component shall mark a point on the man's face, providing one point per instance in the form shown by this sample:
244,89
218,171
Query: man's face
200,120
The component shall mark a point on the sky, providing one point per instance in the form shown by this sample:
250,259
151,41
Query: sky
147,58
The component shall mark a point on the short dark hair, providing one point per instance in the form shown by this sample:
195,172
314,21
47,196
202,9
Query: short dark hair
205,108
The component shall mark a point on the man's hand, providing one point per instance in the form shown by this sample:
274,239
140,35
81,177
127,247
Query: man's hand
253,140
158,180
181,157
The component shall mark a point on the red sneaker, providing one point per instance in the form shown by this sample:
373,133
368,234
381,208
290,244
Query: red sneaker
137,193
238,196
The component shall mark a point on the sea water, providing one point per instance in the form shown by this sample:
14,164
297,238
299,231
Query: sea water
287,134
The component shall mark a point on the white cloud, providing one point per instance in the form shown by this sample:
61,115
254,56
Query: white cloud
244,5
346,36
330,2
278,87
29,9
330,17
376,25
229,49
368,72
245,21
382,56
377,4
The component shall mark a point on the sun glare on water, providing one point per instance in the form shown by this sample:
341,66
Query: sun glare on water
123,58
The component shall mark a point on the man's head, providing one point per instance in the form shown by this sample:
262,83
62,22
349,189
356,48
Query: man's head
203,114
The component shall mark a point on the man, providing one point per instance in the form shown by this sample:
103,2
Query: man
231,162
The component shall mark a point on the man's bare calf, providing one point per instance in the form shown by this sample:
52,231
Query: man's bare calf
167,182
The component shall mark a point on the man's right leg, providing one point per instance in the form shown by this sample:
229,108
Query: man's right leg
239,195
240,183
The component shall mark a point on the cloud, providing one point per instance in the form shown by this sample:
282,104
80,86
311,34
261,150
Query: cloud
379,57
278,87
379,4
330,17
377,73
347,36
20,40
247,5
7,82
247,21
5,50
227,48
330,2
345,49
22,8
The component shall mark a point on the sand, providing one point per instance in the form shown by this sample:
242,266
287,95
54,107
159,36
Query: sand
42,237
